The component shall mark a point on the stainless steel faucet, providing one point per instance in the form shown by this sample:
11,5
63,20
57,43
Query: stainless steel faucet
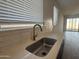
34,35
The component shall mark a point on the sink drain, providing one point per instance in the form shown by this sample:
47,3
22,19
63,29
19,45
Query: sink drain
44,53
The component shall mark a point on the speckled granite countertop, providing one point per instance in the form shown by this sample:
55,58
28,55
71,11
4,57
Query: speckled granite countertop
21,53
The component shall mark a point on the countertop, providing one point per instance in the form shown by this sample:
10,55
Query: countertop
21,53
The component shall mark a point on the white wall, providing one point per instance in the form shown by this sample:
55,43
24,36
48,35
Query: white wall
59,26
48,14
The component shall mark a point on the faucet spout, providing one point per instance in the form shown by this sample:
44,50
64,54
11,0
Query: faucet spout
34,36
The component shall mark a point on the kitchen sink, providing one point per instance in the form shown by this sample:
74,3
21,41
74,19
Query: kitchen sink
41,47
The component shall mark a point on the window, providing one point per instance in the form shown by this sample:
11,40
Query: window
20,14
55,15
21,10
72,24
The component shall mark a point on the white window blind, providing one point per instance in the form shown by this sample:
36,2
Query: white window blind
25,12
21,10
15,10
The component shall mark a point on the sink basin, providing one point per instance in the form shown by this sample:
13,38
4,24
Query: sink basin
41,47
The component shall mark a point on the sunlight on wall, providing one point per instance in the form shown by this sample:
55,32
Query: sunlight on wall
49,24
55,15
4,27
